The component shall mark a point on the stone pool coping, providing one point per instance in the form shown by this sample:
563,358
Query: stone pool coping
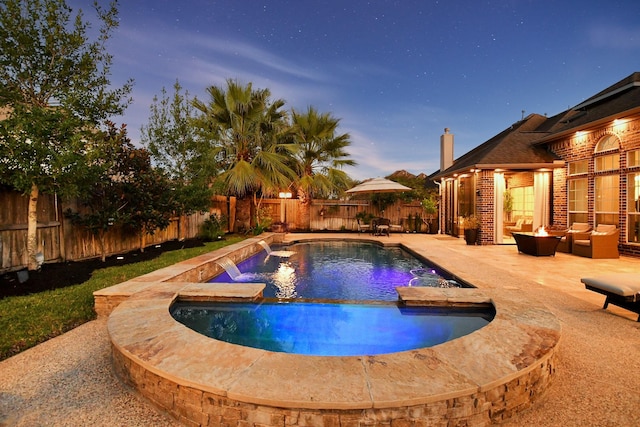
484,376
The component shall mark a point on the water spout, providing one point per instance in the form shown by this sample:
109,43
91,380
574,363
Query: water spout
267,248
230,267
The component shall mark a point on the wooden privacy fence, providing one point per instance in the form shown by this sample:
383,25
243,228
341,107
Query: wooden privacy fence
332,215
60,240
340,215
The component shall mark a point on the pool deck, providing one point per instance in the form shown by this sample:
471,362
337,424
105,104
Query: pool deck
68,380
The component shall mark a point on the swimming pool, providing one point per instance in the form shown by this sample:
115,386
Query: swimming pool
349,303
338,270
505,366
330,329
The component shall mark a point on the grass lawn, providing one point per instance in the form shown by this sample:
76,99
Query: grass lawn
28,320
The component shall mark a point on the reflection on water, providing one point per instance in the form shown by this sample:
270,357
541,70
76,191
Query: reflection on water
284,279
328,329
338,270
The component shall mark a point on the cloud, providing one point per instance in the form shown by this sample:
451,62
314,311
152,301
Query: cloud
240,52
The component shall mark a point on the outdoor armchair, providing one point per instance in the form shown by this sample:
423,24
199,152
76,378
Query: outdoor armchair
567,236
599,243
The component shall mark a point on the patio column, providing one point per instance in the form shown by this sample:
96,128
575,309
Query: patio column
541,192
499,187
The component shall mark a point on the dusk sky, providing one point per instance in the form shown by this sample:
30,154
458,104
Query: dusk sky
395,72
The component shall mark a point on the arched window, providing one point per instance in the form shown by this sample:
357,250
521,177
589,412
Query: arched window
607,155
607,143
607,187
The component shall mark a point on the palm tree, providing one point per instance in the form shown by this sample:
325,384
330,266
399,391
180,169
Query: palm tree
319,155
244,127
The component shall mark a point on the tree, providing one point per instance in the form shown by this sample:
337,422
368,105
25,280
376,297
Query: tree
148,199
245,129
55,87
319,155
172,140
102,194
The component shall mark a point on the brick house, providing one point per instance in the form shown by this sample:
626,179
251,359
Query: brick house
582,165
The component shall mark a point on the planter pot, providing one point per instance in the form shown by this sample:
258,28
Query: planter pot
471,236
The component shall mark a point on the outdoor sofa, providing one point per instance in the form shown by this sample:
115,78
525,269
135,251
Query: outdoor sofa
522,225
599,243
621,289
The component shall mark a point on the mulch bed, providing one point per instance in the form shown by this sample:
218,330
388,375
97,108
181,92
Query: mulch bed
60,275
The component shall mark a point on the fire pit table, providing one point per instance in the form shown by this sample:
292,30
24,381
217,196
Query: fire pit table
536,244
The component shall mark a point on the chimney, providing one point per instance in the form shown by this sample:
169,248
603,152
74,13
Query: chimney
446,149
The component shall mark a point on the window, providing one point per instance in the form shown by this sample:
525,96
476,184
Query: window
466,195
579,167
607,203
608,142
522,202
633,158
609,161
578,200
633,208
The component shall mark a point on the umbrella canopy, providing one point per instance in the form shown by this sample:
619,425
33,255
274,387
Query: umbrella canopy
378,185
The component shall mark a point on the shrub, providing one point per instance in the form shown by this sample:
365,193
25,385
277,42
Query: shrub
214,227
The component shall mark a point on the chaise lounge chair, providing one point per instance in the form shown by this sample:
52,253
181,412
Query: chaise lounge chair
621,289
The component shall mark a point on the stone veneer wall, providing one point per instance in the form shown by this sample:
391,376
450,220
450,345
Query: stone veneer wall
197,269
194,407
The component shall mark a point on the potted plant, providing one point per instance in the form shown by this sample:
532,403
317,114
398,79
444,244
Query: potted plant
471,229
507,204
364,217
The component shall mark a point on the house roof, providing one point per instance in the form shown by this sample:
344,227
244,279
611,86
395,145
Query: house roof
512,148
618,100
524,144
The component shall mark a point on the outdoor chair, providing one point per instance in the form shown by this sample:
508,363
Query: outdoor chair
362,227
382,226
598,244
621,289
567,235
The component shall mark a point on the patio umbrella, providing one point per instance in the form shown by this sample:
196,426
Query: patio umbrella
378,185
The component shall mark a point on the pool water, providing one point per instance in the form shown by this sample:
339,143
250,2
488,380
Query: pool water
329,329
338,271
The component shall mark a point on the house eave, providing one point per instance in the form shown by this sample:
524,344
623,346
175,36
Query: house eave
587,126
504,167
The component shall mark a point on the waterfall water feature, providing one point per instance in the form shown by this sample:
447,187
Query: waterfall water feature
230,267
267,248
